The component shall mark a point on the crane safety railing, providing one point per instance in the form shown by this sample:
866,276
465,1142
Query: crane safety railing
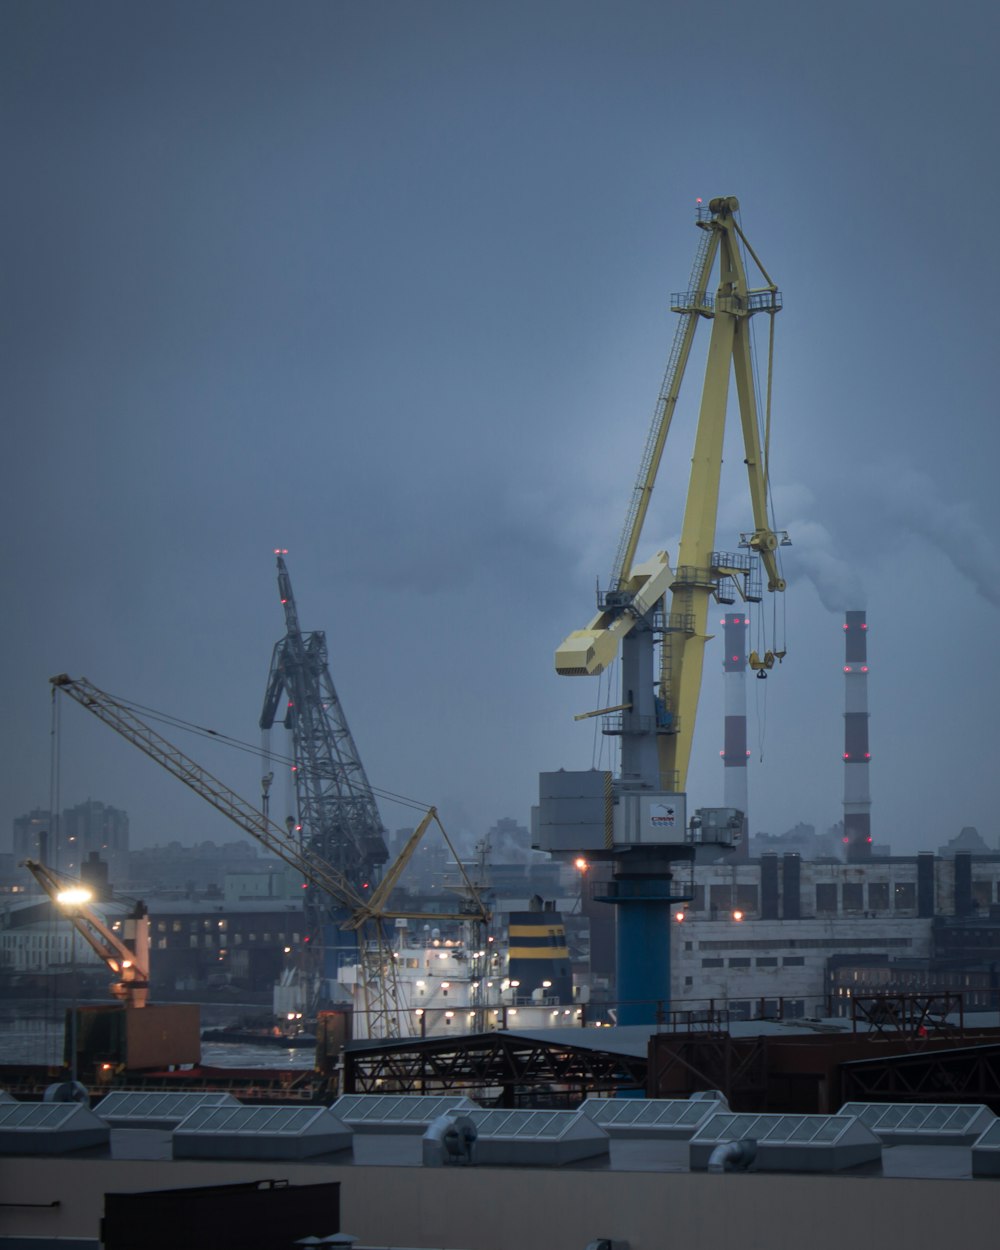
614,726
764,300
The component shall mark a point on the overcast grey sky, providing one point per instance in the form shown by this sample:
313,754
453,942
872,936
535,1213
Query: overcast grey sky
387,284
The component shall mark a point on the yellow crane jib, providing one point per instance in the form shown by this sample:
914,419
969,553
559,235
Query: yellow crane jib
587,652
702,575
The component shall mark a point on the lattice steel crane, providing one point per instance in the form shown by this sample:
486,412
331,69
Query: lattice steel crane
338,817
334,892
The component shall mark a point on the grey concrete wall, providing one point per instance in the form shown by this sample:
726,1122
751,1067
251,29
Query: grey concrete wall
543,1209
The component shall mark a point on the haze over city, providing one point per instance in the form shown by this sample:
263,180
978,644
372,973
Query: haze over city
388,285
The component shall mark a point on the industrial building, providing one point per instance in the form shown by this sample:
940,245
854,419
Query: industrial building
539,1180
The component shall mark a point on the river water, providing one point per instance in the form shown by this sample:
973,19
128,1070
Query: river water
31,1031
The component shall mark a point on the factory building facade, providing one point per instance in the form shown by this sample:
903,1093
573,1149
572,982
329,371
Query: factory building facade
766,937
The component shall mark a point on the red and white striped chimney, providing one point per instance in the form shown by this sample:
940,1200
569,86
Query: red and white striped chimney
857,796
734,753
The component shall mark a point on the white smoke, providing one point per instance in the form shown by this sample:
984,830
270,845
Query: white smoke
814,555
913,500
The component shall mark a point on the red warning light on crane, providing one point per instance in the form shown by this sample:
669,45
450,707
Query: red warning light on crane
281,551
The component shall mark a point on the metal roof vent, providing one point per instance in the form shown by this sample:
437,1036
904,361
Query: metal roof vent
790,1143
536,1138
450,1142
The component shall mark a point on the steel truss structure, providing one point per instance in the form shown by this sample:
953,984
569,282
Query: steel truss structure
912,1016
501,1069
683,1063
959,1074
337,814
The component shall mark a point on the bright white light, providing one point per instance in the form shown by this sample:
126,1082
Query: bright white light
75,896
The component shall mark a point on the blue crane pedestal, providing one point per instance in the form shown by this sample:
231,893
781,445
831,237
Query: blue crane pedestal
642,889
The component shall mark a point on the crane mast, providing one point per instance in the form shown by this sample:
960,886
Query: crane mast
337,814
638,820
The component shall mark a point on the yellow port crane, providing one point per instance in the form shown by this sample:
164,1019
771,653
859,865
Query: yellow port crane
635,603
383,1010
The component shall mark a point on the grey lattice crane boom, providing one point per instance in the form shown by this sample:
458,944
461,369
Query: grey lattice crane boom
337,813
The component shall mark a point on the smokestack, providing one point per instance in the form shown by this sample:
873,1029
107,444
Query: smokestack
734,753
857,796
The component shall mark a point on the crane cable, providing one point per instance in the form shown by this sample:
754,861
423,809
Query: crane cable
764,433
237,744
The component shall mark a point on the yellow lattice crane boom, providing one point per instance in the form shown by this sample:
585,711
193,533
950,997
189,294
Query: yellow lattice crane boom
636,599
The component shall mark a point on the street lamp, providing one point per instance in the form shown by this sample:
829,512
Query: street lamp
72,899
